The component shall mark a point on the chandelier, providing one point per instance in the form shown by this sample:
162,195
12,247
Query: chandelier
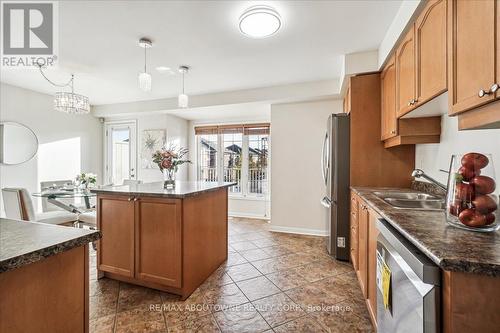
68,102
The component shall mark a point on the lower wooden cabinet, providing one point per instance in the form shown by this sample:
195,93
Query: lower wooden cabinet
365,247
116,254
158,241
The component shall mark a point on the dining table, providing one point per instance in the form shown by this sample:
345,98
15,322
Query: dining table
54,196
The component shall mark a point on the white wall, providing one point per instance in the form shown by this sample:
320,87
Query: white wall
297,132
68,144
432,157
177,132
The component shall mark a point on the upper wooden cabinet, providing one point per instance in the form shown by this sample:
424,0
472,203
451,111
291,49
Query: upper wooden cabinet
405,74
431,55
472,54
389,123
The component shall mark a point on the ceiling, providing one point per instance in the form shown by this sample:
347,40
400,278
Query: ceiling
98,42
226,113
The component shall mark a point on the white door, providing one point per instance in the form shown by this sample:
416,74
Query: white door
121,152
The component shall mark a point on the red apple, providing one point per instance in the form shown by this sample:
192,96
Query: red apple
467,174
483,184
464,192
474,161
471,218
484,204
490,218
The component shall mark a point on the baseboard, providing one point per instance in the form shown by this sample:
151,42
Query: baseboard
248,216
300,231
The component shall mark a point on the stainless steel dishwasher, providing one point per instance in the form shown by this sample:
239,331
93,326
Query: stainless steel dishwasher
414,292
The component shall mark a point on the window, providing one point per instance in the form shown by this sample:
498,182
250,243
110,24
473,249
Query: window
243,159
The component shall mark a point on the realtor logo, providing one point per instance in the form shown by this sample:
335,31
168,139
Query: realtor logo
28,33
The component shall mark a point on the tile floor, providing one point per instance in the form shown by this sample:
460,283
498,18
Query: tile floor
270,282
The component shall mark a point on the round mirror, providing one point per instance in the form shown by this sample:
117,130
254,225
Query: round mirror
18,143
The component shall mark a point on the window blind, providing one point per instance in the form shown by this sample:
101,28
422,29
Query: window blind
247,129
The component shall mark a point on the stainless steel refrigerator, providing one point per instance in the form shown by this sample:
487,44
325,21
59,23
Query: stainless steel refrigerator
335,171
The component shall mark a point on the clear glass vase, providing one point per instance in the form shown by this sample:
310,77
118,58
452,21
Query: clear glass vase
472,198
168,178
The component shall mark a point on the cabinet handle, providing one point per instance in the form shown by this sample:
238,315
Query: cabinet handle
410,103
393,132
129,198
492,90
494,87
135,199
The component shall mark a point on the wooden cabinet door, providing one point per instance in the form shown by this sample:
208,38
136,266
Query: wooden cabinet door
405,73
472,53
158,241
363,247
388,100
431,51
115,220
372,264
354,231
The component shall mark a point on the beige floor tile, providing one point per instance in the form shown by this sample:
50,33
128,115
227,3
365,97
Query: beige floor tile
102,305
257,288
104,324
140,319
254,255
132,296
243,318
235,258
103,286
242,246
302,325
310,297
286,280
206,324
224,296
341,319
242,272
278,309
267,266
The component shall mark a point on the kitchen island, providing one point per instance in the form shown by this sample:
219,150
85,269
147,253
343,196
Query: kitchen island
170,240
44,277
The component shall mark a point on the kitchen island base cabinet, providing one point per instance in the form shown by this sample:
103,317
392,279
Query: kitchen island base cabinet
50,295
170,244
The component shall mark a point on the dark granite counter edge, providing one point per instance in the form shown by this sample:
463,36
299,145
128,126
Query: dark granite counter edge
37,255
161,195
445,264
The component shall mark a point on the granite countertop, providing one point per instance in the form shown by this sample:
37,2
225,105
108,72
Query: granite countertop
23,242
182,189
449,247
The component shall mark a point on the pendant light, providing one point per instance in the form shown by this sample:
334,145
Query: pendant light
183,99
68,102
144,78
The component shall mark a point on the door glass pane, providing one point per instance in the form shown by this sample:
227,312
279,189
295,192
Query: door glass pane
207,162
120,154
258,148
233,143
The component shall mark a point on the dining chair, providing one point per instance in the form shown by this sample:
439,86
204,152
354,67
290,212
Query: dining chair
18,205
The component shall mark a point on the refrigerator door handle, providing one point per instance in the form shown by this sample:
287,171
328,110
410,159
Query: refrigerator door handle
324,159
326,202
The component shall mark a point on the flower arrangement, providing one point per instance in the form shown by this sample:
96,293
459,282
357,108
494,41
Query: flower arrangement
85,179
168,160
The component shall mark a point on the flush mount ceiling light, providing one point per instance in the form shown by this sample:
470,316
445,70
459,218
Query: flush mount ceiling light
164,70
144,78
183,99
68,102
260,22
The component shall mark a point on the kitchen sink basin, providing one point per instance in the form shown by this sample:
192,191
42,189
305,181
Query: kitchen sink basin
416,204
412,200
405,195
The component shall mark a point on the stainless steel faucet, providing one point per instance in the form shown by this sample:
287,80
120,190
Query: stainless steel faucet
417,173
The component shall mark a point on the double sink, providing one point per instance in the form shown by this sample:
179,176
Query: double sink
411,200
